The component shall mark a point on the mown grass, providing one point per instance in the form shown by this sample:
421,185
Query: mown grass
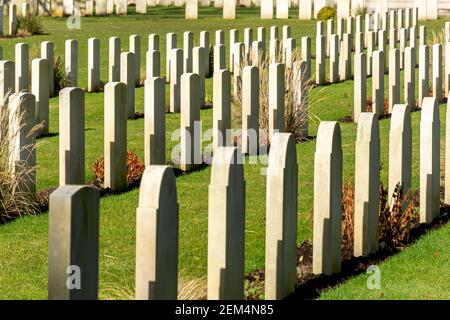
23,250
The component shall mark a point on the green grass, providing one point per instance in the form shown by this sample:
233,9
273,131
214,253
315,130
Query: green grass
23,250
419,272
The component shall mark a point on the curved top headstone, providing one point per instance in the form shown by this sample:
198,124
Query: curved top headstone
401,118
430,110
367,127
328,137
222,172
157,187
282,150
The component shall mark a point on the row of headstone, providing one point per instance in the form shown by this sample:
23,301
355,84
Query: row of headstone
74,209
12,19
328,176
394,86
74,227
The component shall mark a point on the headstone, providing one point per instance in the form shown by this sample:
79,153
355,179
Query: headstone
219,57
340,28
222,107
424,73
114,59
370,50
12,22
437,72
47,52
306,55
198,67
345,58
102,6
250,110
176,70
359,24
289,52
157,234
239,50
368,27
188,45
73,242
171,43
267,9
300,99
274,50
1,19
360,86
447,154
359,43
327,199
22,140
378,83
413,38
273,32
403,45
261,36
447,69
257,55
429,161
334,58
116,134
204,43
350,25
320,60
423,35
282,7
367,177
330,31
89,8
410,77
191,154
281,218
128,77
93,65
121,7
71,136
286,32
343,9
191,9
382,44
276,98
135,48
22,67
39,87
226,223
153,42
141,6
229,9
153,64
71,63
155,121
305,10
393,39
220,37
7,80
248,39
394,78
400,146
234,38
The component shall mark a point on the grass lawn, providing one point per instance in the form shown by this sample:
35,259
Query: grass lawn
23,250
419,272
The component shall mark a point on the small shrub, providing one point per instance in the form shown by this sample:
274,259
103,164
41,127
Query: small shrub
135,170
15,201
30,25
59,74
326,13
397,217
360,10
